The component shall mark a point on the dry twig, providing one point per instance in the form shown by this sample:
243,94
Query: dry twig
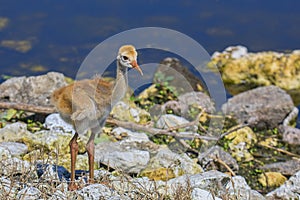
129,125
280,150
225,165
156,131
27,107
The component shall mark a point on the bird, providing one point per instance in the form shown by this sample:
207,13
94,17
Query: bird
87,104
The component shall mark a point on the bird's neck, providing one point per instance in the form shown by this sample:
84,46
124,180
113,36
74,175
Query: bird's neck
121,83
122,74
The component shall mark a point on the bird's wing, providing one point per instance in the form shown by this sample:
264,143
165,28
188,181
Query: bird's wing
94,99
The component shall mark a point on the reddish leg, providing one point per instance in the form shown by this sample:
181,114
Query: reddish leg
90,148
74,151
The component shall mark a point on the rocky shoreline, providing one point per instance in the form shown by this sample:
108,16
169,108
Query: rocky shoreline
242,70
173,150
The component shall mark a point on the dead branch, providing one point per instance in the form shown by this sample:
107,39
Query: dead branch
156,131
280,150
27,107
225,165
129,125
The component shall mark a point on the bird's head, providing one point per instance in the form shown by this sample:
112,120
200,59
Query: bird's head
127,57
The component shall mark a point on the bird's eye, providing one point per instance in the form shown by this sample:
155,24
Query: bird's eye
125,58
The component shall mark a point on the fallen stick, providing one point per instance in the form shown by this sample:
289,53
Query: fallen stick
156,131
129,125
280,150
27,107
225,165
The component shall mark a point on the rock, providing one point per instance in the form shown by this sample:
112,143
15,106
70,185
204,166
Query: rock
131,140
130,136
4,153
55,146
138,188
14,132
198,194
289,190
8,188
34,90
290,135
58,195
198,99
178,76
115,156
271,179
209,180
170,120
171,105
263,107
119,198
208,158
14,166
287,168
30,193
61,192
125,112
54,141
213,181
98,191
101,174
15,148
54,122
187,104
242,71
235,52
166,165
238,188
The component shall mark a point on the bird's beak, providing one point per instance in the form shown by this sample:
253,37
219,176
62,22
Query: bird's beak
136,66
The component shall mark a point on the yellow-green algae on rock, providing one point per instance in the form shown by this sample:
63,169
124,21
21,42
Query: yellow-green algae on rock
271,179
242,71
55,147
45,145
128,111
240,143
166,165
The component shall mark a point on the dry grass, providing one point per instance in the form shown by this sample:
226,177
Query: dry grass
14,180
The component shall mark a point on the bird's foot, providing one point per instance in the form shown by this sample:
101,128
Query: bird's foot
91,181
72,186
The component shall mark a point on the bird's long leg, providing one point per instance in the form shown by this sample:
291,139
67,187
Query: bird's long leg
90,148
74,151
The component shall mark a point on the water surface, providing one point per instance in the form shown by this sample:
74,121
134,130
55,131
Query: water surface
62,33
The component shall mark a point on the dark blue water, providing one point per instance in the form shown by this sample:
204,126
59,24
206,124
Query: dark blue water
63,32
